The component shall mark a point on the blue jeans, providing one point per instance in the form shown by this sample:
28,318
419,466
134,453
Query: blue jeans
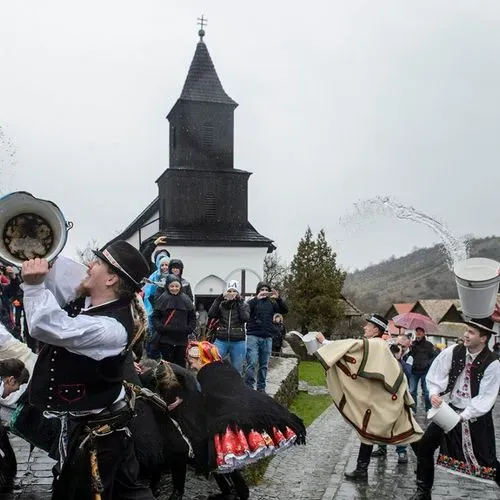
235,350
400,448
151,351
414,379
258,350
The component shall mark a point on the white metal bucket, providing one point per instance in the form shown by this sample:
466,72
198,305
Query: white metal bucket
477,284
310,342
444,416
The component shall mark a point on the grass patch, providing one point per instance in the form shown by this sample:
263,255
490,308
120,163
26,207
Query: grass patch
254,473
309,407
312,372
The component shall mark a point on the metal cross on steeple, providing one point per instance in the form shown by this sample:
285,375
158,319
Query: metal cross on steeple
202,22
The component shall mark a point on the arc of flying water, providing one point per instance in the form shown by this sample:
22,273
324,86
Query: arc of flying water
455,247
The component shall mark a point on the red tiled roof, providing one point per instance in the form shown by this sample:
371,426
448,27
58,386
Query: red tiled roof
392,328
404,308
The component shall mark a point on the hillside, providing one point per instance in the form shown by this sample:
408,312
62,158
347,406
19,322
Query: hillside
422,274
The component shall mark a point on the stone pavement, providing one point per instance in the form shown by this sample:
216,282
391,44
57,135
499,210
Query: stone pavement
311,472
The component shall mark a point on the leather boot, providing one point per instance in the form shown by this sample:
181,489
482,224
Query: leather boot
360,473
423,492
381,452
176,495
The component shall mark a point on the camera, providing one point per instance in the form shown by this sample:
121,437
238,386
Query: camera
395,349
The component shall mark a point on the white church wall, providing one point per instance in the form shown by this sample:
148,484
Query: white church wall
150,227
209,268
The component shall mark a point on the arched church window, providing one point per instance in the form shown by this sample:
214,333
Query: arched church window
210,206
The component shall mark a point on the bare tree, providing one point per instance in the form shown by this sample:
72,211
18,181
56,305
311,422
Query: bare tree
86,255
275,271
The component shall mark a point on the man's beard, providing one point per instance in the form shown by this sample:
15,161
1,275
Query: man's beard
82,290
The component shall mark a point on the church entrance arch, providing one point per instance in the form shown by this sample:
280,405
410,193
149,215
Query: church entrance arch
207,289
248,279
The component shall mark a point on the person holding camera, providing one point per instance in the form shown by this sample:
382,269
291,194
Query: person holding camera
263,307
232,313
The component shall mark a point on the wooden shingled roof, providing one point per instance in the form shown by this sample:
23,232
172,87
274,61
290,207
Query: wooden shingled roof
202,82
451,330
437,308
350,310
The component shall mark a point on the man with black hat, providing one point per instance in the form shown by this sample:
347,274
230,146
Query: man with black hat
375,327
385,364
79,374
467,378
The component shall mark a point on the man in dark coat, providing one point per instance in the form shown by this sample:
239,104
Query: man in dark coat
263,307
422,352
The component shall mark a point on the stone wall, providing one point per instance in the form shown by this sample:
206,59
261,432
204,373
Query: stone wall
283,379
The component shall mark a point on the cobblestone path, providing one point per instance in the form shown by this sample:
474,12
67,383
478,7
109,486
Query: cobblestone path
311,472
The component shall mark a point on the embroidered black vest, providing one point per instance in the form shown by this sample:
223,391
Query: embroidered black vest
482,361
65,381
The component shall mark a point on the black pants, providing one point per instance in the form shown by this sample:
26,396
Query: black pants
424,450
174,354
118,469
232,482
8,463
365,453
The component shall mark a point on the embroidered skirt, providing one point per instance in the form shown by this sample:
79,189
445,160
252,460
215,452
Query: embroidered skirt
234,449
469,450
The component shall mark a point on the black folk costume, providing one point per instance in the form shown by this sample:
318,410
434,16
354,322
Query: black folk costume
469,383
78,378
243,425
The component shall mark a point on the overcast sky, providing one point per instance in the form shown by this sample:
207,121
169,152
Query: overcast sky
339,101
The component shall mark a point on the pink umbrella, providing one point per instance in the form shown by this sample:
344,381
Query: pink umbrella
412,320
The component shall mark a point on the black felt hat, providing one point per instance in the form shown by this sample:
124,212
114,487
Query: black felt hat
377,320
126,261
484,324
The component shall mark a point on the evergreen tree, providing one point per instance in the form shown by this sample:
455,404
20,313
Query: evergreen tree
314,284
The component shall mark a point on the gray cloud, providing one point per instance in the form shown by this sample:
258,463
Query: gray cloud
339,101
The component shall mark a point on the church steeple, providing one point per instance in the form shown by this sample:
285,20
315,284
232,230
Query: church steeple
202,119
202,83
202,197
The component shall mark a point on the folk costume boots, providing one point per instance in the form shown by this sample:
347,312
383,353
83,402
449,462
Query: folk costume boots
380,452
360,473
423,491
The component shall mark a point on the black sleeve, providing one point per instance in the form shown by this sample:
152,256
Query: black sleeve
187,290
158,320
147,251
191,319
252,303
282,307
213,312
243,311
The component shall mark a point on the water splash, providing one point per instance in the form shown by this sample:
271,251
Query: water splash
455,247
7,159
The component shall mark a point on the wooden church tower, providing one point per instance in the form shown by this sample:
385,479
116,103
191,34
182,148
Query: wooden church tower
202,203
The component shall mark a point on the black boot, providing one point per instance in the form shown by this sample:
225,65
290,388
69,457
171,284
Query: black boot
423,491
176,495
381,452
222,496
360,473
